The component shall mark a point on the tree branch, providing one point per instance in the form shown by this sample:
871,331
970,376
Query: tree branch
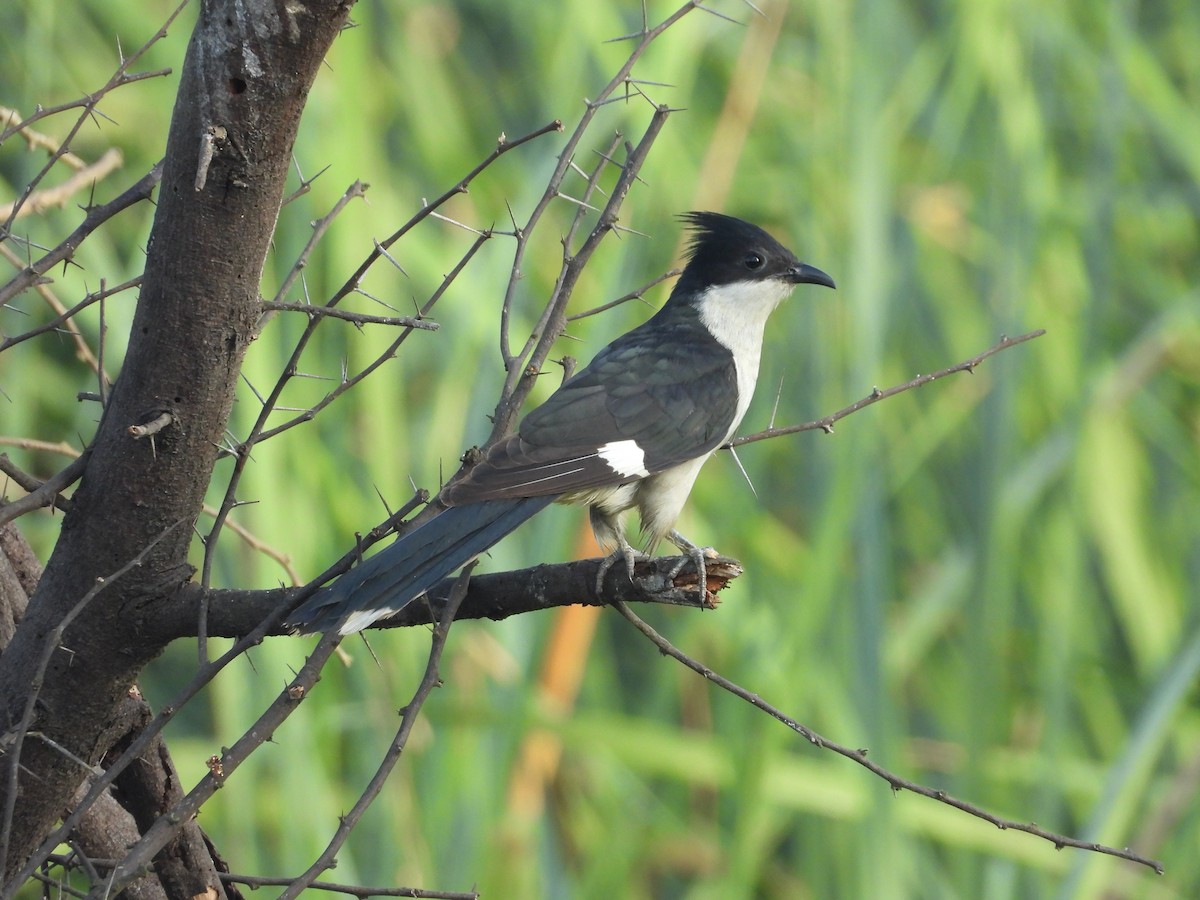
95,217
331,312
200,291
408,713
896,782
495,596
45,494
826,424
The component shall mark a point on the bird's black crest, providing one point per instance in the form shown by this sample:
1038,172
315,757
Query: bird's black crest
720,246
710,228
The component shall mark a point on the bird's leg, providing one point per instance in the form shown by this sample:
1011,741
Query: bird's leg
697,555
609,528
622,551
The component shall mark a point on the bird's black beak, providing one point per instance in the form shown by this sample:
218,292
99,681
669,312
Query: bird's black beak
802,273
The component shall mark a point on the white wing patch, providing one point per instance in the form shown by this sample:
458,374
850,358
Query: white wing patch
625,458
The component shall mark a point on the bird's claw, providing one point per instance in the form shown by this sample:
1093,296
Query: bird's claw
625,552
697,556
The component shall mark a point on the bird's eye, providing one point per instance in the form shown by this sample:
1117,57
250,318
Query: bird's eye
753,261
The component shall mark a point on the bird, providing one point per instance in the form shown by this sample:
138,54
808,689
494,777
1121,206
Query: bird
629,431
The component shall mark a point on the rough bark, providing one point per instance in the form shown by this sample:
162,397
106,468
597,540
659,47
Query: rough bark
244,82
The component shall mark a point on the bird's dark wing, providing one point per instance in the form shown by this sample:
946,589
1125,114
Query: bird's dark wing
655,397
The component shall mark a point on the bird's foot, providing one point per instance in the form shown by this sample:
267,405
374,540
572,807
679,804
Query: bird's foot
697,556
625,552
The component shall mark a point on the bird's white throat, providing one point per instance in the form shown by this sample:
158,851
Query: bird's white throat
736,314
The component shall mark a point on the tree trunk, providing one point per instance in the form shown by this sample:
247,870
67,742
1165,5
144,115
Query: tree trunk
244,83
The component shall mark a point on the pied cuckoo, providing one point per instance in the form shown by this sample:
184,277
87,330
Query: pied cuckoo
629,431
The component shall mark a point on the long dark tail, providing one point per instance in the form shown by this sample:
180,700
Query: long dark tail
412,565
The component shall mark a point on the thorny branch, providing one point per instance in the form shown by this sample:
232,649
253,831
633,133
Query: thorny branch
88,103
330,312
259,431
409,712
203,676
637,294
64,315
521,367
95,217
160,833
47,493
896,782
826,423
254,882
552,321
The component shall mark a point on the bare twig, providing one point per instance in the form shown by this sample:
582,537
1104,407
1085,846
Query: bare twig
319,228
35,139
46,494
151,428
64,315
28,483
164,828
255,881
258,431
409,712
860,756
88,104
517,365
552,321
204,675
826,424
96,216
40,201
632,295
333,312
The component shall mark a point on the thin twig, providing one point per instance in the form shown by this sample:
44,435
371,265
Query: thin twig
151,428
57,196
205,674
333,312
319,227
632,295
431,679
96,216
47,493
517,364
860,756
552,321
254,882
88,103
64,315
158,835
29,484
258,431
826,424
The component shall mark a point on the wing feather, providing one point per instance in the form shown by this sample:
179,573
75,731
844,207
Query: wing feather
666,385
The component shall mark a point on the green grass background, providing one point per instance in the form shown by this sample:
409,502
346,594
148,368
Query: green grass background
989,582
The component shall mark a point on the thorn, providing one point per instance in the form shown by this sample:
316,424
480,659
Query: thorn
382,251
775,408
745,474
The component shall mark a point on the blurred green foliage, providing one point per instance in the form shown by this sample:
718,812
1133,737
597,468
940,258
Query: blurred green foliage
989,582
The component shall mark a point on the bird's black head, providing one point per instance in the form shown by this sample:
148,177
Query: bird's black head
724,250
